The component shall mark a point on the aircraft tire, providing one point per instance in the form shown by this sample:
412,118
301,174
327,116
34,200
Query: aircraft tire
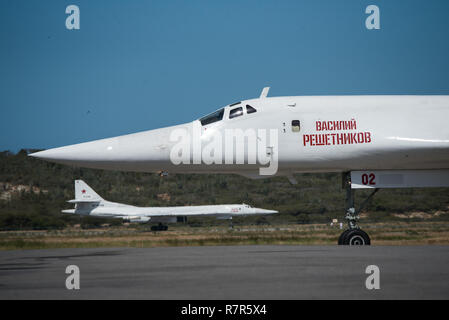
342,236
356,237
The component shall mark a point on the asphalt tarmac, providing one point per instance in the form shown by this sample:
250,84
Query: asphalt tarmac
228,272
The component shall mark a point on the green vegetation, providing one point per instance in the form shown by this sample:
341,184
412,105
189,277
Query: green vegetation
33,193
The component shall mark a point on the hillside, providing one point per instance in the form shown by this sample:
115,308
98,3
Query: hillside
33,192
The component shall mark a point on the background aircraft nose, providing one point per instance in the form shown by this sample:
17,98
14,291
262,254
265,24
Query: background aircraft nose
264,211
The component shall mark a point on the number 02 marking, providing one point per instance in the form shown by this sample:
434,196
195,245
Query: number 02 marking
368,179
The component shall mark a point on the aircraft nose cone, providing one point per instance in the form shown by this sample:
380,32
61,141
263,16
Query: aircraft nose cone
143,151
265,211
51,154
99,150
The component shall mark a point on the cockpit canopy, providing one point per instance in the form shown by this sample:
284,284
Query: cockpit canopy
213,117
233,113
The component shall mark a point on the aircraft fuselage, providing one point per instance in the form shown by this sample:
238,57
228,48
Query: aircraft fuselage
313,134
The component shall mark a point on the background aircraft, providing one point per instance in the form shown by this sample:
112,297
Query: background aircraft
375,141
88,202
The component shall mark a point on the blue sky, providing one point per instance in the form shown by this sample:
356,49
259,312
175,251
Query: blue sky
139,65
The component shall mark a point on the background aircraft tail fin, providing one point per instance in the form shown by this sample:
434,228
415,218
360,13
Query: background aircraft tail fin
85,193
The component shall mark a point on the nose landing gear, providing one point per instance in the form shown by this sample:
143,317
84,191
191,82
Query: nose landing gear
353,236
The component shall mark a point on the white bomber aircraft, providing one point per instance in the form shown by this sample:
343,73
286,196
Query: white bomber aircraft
88,202
374,141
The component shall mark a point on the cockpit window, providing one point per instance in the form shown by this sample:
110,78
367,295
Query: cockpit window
296,125
250,109
213,117
237,112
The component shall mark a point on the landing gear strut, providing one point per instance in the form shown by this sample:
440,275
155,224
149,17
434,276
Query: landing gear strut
353,235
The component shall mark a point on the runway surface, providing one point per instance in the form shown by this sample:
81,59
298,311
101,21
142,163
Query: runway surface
228,272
